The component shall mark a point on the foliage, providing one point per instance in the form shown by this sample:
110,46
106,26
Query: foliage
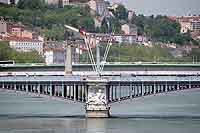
35,14
161,29
4,51
55,32
115,26
195,53
134,53
31,4
48,18
7,53
139,21
121,12
140,53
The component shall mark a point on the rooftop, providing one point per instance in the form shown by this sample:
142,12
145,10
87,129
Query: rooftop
19,39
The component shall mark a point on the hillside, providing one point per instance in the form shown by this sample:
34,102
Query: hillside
49,21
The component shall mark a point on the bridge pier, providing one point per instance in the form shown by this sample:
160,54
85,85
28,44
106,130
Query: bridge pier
51,90
15,87
3,86
63,90
190,86
178,86
97,101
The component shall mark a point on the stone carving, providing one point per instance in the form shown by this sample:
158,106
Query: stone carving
97,97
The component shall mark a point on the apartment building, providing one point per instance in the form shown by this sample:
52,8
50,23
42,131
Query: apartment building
26,44
189,23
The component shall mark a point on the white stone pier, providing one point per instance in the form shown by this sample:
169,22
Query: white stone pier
97,101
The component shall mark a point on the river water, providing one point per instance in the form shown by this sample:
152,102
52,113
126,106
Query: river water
177,112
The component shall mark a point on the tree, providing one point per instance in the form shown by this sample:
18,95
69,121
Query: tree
110,25
121,12
31,4
4,51
55,33
139,21
87,23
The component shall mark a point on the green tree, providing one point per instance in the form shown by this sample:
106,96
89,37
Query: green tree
121,12
4,51
31,4
55,33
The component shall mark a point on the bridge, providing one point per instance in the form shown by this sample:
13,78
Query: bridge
98,89
98,94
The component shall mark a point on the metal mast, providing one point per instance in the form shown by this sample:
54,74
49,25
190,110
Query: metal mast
98,60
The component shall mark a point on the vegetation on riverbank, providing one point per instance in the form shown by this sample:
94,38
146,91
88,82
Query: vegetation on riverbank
156,53
139,53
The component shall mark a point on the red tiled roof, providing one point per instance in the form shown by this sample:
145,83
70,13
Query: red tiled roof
54,49
189,18
172,17
14,38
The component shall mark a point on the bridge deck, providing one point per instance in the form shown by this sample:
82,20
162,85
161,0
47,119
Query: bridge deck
108,67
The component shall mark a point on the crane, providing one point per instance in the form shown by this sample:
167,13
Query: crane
91,40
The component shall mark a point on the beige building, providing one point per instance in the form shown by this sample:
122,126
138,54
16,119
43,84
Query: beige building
129,29
126,39
3,26
195,25
185,26
19,32
27,34
26,45
99,6
67,2
189,23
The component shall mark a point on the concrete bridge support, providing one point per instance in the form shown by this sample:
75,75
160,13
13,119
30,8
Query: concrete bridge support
3,85
68,60
97,101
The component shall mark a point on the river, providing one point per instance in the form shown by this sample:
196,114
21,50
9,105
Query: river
176,112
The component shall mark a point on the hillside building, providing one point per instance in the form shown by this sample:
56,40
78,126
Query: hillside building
99,6
129,29
26,44
188,23
55,53
3,26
